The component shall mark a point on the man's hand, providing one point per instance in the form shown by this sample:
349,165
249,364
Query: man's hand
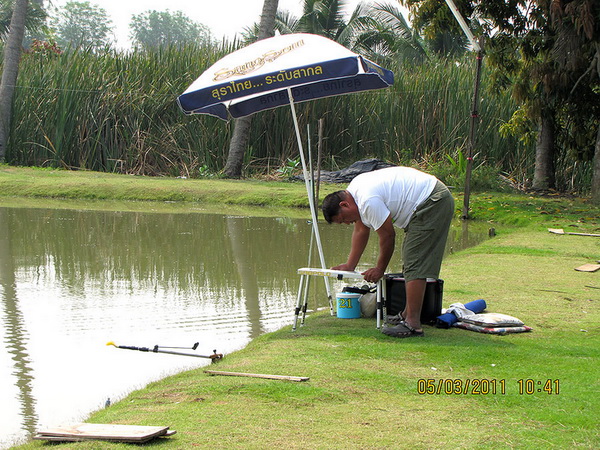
344,266
373,275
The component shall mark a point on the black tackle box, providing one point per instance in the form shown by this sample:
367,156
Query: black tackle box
396,297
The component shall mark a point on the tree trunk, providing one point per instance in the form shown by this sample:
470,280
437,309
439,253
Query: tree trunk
237,147
544,177
596,171
241,127
12,55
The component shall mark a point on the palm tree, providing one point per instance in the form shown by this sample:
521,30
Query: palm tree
36,16
12,54
379,31
241,130
327,18
387,36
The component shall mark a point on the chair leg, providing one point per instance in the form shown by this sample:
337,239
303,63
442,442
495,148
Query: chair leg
298,302
305,305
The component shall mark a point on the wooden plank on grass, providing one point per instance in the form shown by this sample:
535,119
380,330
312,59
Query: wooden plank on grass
561,231
257,375
104,432
588,268
79,439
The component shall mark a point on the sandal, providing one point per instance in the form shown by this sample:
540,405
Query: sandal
402,330
395,320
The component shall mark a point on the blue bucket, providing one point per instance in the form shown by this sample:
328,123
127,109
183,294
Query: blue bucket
348,305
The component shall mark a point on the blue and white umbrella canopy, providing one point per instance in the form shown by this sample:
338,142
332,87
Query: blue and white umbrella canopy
261,75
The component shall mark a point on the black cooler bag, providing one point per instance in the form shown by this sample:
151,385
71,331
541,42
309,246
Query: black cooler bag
396,297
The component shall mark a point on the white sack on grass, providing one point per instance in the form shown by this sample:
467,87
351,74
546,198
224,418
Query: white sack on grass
368,304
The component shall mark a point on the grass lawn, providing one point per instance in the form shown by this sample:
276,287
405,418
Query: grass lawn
451,389
366,390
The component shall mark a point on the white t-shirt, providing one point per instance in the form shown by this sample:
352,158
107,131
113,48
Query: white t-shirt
395,191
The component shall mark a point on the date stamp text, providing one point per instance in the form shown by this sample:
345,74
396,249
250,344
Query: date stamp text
487,386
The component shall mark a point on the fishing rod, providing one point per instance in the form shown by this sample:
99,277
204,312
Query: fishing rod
158,349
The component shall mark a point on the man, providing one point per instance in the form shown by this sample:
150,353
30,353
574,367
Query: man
396,197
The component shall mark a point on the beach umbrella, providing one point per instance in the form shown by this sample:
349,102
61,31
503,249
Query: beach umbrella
278,71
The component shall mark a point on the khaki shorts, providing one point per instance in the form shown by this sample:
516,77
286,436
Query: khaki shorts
426,234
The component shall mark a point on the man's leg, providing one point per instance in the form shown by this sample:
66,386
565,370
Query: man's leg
415,294
422,251
411,326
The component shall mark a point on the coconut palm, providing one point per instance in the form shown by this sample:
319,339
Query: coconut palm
34,18
325,18
388,37
12,54
379,31
241,130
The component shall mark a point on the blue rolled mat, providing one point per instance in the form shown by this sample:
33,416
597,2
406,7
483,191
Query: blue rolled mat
446,320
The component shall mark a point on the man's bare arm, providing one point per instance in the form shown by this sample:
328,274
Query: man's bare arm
387,242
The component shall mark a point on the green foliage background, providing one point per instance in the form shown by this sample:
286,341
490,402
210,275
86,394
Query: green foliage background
116,111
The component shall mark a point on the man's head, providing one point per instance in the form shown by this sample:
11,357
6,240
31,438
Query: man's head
340,207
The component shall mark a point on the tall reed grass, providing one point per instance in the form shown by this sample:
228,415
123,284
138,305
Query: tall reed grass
117,111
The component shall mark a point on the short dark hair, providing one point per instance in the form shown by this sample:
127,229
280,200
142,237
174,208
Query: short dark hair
331,205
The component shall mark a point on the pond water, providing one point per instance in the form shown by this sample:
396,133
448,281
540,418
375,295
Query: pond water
73,280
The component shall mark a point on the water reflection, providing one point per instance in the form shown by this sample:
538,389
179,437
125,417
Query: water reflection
14,337
73,280
246,273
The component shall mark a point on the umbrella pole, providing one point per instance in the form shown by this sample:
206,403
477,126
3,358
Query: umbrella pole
311,199
312,190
